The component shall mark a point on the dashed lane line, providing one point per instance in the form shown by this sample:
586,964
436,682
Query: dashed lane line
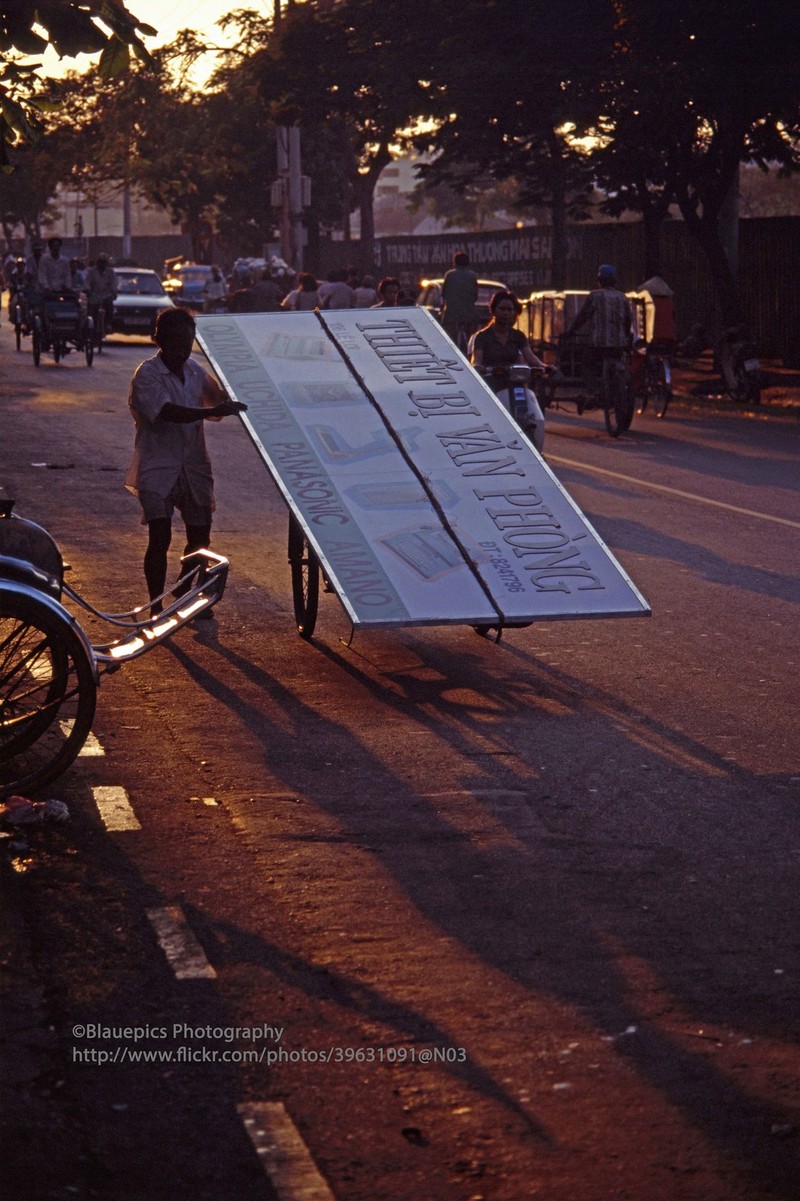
184,954
115,808
285,1157
703,500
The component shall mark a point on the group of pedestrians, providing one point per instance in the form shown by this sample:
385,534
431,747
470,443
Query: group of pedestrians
344,288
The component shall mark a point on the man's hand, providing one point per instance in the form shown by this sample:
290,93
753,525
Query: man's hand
228,408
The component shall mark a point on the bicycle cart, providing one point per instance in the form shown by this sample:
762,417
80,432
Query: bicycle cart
49,670
60,324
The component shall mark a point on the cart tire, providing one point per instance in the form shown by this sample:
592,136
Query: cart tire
618,401
304,566
47,694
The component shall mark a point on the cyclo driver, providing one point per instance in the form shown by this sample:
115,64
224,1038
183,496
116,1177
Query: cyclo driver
607,311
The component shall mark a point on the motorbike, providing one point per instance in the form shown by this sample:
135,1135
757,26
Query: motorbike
511,386
739,366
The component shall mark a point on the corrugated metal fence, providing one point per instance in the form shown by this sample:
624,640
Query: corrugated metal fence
769,268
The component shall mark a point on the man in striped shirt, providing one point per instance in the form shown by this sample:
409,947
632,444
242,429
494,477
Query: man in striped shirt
608,312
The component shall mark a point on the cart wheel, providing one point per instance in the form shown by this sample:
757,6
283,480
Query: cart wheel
47,694
36,341
88,341
304,566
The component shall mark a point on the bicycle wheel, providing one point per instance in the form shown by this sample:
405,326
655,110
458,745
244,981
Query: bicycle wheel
47,694
100,329
18,323
88,341
304,566
618,399
36,341
662,388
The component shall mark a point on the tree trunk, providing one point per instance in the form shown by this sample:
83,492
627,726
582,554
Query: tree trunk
558,215
366,197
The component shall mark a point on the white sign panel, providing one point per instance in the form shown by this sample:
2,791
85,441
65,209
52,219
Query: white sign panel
424,501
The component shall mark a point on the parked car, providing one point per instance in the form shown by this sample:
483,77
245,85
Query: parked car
430,296
140,298
185,284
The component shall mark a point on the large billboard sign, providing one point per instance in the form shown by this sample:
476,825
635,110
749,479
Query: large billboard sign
425,502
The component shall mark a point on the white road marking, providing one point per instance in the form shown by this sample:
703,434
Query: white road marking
286,1159
115,808
703,500
91,748
185,955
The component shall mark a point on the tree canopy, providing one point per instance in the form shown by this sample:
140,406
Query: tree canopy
96,27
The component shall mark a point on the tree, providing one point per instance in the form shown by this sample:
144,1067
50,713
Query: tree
518,110
71,27
696,88
362,87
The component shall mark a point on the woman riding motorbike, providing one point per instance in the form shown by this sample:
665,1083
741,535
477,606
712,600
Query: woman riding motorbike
496,348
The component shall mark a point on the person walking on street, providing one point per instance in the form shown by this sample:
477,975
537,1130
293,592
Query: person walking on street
459,297
388,291
336,293
214,292
364,295
305,297
170,397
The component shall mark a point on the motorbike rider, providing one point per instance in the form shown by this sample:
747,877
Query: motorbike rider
499,346
101,290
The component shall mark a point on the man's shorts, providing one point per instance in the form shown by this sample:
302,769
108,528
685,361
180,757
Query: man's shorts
155,506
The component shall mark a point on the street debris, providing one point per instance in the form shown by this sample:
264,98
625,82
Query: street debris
21,811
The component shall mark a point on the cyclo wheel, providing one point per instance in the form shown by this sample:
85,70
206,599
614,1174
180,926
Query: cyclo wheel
47,693
36,341
618,399
304,566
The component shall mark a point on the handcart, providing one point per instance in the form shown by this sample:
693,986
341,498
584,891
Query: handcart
49,671
414,496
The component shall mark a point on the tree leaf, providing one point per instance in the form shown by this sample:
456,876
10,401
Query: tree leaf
115,59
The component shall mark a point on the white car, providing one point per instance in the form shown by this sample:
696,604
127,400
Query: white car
140,298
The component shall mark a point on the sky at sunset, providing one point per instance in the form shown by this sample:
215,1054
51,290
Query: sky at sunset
168,17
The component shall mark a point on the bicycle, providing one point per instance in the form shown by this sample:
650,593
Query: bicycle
616,392
656,385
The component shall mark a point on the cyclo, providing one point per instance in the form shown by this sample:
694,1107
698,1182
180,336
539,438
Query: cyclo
582,375
49,670
58,323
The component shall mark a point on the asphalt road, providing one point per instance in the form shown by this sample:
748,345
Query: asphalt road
500,920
